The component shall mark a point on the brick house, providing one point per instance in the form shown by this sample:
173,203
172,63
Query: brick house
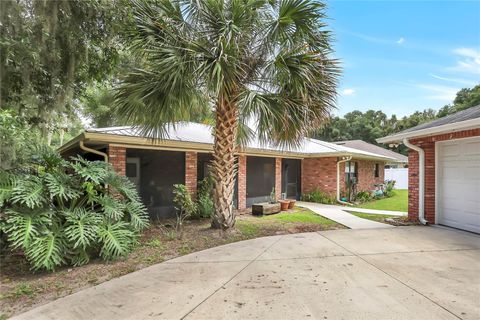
183,157
444,170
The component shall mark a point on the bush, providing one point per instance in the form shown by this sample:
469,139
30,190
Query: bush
364,196
389,185
319,196
184,205
205,200
62,213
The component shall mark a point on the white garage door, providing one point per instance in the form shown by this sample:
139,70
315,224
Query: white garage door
458,183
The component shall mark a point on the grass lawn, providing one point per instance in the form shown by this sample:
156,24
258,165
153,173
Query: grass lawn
398,202
21,289
374,217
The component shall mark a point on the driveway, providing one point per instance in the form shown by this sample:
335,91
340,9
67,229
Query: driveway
397,273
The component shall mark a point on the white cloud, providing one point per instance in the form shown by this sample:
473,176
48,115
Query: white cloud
469,60
348,92
455,80
443,93
401,40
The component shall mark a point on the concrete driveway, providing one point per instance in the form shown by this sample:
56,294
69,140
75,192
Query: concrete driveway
397,273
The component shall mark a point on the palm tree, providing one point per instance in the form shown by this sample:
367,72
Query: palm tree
266,61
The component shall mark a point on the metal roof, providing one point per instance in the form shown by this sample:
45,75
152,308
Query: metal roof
201,133
365,146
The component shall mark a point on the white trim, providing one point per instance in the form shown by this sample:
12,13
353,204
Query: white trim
446,128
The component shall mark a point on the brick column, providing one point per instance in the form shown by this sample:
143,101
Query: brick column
191,172
413,185
278,178
429,181
117,157
242,182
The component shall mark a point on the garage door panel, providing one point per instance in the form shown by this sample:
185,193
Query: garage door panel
458,179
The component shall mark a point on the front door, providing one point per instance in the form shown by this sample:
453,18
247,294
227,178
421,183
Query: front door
133,171
291,178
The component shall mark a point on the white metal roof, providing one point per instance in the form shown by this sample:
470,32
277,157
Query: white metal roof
201,133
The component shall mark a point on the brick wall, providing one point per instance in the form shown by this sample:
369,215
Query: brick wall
366,174
191,172
242,182
428,144
117,157
278,178
319,173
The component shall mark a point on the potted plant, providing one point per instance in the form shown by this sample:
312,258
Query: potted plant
284,204
291,203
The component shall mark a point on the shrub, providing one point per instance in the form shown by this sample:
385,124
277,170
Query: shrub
205,200
62,213
319,196
184,205
363,196
389,185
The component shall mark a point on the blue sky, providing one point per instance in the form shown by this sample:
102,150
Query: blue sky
403,56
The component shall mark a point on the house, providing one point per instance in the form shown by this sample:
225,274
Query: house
400,161
444,170
183,156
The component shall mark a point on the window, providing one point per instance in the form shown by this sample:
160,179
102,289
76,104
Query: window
377,170
351,169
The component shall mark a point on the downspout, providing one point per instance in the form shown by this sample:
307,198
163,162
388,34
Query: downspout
338,179
100,153
421,180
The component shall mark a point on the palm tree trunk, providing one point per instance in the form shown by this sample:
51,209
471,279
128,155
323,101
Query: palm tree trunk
223,165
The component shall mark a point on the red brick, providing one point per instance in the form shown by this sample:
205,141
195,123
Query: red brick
242,182
191,172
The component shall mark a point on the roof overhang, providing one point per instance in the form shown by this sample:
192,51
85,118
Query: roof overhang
102,139
446,128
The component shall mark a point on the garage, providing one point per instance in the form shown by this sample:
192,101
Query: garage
458,183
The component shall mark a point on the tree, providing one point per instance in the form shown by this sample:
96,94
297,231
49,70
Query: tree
267,61
51,50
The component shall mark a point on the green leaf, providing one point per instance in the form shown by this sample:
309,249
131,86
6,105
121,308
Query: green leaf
48,251
82,227
29,191
94,171
137,212
22,227
112,208
59,185
117,240
7,184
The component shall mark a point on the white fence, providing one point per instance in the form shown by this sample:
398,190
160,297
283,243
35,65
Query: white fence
400,175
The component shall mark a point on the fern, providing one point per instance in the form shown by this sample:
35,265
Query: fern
117,240
23,226
138,215
48,251
112,208
60,185
82,227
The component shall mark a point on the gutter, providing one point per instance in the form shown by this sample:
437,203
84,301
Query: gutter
103,154
421,180
338,179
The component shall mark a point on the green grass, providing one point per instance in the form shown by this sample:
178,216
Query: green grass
301,216
398,202
374,217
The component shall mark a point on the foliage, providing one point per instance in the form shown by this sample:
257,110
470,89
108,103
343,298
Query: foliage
319,196
273,197
266,61
184,205
389,185
397,202
61,213
363,196
50,50
204,198
16,140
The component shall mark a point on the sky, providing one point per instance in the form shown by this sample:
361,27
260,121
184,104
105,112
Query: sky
404,56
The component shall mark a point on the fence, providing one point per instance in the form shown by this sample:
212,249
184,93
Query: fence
400,175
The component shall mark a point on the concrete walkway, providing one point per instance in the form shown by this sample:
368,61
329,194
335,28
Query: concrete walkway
338,214
399,273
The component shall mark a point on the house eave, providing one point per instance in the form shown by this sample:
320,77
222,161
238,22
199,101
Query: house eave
446,128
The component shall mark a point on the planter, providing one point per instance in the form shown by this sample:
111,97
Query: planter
261,209
291,204
284,204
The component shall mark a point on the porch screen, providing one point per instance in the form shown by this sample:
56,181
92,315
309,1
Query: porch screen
260,179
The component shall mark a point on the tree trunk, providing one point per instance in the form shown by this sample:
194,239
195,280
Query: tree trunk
223,165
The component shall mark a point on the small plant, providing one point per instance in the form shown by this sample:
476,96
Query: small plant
205,201
318,196
389,185
273,197
23,289
363,196
154,243
184,205
170,235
